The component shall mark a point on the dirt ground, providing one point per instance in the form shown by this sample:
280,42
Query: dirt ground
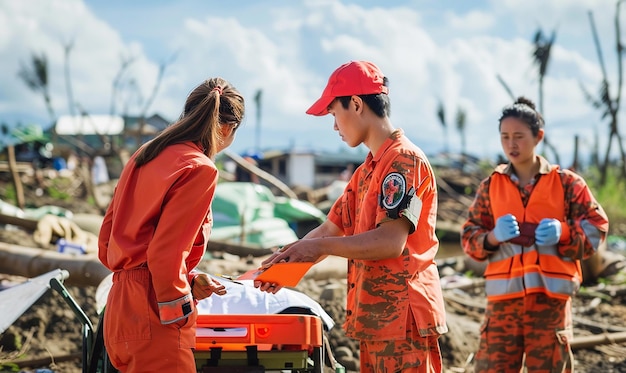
48,335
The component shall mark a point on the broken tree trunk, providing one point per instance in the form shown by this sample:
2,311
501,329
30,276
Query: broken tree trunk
85,270
237,249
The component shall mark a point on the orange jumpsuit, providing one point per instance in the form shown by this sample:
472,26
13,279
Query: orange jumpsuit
394,306
153,235
529,286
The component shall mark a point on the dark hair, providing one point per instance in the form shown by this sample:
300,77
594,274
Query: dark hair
524,110
213,102
379,103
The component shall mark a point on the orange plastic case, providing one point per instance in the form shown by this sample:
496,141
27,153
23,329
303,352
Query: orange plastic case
259,343
266,332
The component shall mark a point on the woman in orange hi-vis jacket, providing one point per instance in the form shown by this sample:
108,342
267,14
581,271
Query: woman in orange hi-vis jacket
533,222
155,232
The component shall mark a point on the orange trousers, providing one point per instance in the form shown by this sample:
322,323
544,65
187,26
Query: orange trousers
134,337
535,329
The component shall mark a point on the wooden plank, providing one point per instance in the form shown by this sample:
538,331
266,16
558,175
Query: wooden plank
23,167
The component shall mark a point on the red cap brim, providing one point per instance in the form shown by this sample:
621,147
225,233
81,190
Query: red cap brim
320,107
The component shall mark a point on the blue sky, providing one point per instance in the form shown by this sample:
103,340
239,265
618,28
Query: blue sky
431,50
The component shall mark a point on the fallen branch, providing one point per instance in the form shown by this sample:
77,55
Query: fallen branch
47,361
85,270
237,249
261,174
592,341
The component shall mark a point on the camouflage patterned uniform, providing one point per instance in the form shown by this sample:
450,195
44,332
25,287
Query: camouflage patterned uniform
394,306
529,308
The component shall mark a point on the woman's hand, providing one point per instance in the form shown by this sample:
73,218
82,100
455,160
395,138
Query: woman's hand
203,286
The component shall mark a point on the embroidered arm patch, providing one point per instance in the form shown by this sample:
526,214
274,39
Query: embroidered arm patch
398,201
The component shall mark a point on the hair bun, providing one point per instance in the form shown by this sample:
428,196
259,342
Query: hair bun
525,101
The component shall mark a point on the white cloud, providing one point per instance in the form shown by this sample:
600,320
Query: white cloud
473,21
46,28
288,49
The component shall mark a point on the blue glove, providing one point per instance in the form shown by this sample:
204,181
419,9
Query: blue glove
548,232
506,228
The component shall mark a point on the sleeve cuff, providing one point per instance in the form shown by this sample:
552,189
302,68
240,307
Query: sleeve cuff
489,247
565,233
175,310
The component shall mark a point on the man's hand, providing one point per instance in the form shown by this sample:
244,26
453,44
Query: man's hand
548,232
203,286
303,250
276,257
506,228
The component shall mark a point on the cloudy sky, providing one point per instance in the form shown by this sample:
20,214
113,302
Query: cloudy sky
432,50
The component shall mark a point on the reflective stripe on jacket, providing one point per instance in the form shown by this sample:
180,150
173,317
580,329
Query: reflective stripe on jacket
515,270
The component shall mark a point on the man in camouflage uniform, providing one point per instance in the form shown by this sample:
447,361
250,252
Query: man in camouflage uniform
384,223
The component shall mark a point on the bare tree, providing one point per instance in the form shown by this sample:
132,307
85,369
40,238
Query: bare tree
117,82
67,49
153,94
257,100
609,106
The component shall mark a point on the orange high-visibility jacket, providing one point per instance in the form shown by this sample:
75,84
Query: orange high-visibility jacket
515,270
160,218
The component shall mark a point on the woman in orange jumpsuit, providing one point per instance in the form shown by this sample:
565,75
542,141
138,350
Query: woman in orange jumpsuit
533,222
155,232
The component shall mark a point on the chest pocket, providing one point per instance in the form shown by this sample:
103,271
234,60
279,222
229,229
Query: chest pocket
348,206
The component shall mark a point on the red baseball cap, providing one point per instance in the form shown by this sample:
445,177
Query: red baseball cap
350,79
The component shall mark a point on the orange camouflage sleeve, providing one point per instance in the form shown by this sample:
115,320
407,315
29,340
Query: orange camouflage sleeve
479,222
586,219
408,183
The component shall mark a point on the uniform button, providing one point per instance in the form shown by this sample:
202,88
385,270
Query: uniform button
349,312
352,285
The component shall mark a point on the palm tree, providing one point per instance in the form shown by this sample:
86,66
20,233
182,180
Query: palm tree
461,117
541,57
441,114
257,100
36,78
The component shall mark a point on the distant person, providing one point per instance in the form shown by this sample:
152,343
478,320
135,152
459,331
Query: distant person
156,230
533,222
72,161
99,170
384,224
59,164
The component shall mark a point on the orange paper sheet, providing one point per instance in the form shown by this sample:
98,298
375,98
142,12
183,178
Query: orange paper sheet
284,274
